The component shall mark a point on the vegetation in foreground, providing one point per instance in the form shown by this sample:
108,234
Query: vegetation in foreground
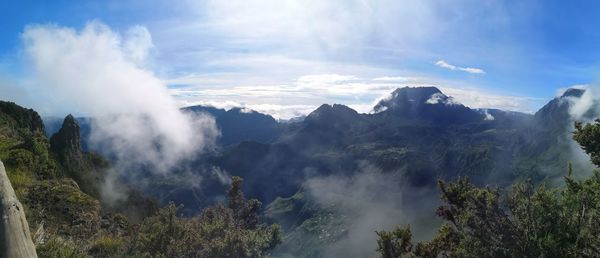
528,221
231,230
57,184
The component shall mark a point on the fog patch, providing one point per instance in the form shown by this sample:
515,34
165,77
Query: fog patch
221,175
368,201
111,190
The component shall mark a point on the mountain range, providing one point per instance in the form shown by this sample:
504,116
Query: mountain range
412,138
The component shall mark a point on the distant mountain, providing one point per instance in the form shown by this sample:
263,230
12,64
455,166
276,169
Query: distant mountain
425,105
556,112
418,133
236,125
241,124
415,136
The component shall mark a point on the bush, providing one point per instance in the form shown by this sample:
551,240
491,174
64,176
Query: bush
220,231
106,247
20,159
58,247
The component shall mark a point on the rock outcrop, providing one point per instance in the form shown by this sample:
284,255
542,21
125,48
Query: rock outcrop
15,238
67,141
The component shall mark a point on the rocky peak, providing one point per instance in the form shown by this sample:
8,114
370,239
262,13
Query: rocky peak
67,141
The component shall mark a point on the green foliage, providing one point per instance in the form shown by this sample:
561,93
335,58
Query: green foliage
588,136
530,222
44,166
58,247
220,231
536,222
393,244
20,117
20,181
63,208
47,176
106,247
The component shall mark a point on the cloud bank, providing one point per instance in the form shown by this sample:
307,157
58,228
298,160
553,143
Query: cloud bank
101,73
307,92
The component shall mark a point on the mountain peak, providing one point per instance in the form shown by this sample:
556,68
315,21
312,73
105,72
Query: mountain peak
555,114
426,104
68,138
327,111
573,92
413,97
419,90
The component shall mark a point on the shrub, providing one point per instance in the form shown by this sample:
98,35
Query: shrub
106,247
58,247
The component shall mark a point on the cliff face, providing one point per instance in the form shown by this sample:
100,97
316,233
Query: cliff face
67,141
15,238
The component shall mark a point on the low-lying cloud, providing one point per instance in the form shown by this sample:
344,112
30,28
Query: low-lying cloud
370,201
100,73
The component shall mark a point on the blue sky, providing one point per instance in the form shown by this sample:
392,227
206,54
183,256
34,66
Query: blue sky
287,57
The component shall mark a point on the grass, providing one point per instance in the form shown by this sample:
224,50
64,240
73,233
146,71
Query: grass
20,180
58,247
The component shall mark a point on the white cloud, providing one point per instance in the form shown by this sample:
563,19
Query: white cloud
488,116
444,64
100,73
478,98
278,111
440,98
281,40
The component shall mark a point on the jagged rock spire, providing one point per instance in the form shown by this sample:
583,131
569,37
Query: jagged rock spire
67,141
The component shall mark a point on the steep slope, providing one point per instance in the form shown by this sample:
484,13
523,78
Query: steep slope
549,147
77,164
554,116
53,202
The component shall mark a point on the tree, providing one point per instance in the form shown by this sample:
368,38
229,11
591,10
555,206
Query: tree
588,136
394,243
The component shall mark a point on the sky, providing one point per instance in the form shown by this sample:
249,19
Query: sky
287,57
